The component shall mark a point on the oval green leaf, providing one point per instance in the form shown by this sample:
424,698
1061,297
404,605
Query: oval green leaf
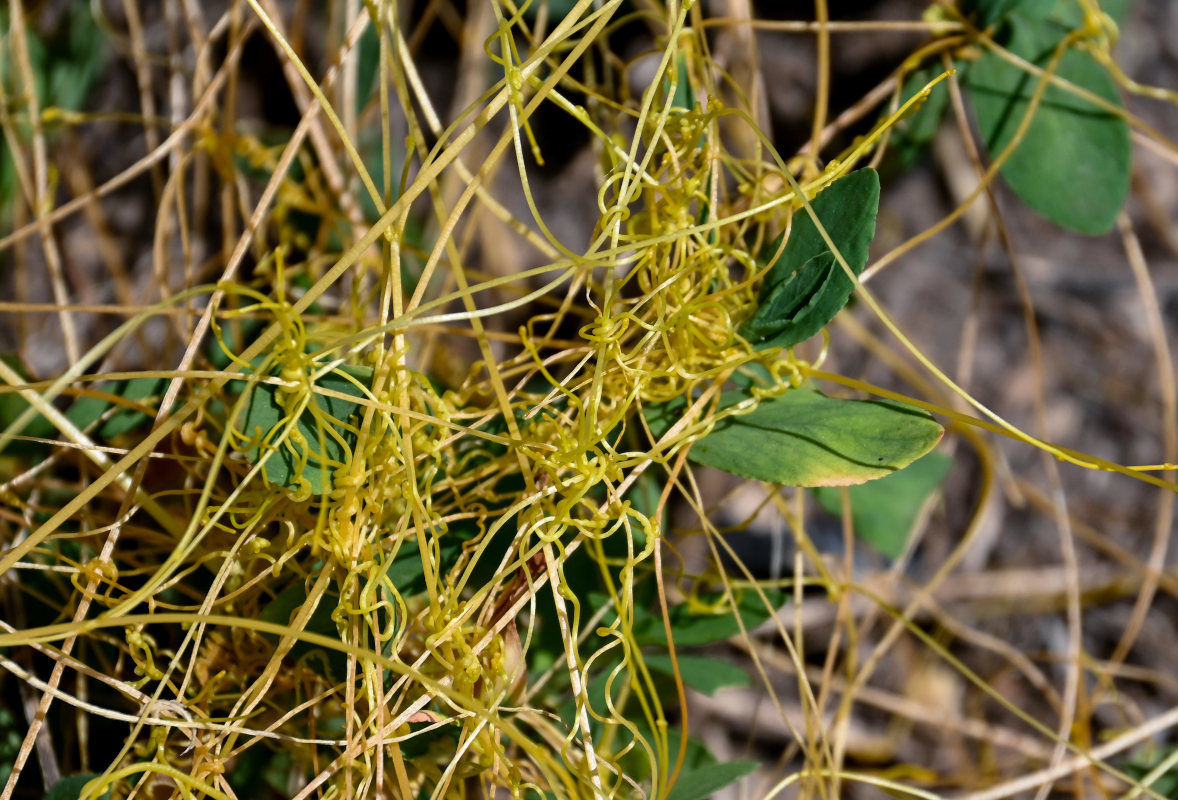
70,787
883,512
700,784
1073,163
694,624
804,438
705,674
263,415
806,286
912,135
791,303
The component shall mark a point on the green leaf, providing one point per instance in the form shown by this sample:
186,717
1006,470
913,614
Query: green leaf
138,392
595,694
1069,13
9,743
684,97
65,62
702,673
847,209
746,376
12,405
884,511
1145,760
644,497
89,408
368,66
804,438
911,135
988,12
557,10
265,418
75,56
708,619
1073,164
636,763
699,784
407,571
85,410
236,334
805,287
70,787
791,299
